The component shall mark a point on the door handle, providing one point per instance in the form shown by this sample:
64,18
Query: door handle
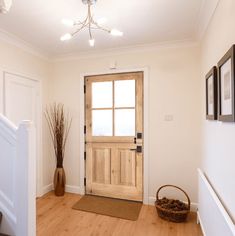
137,149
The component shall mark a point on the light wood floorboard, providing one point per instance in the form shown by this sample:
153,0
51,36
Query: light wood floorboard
55,217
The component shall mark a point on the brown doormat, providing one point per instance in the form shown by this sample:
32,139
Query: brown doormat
123,209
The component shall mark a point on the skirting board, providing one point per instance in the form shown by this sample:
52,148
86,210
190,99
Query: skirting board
46,189
78,190
68,189
73,189
193,204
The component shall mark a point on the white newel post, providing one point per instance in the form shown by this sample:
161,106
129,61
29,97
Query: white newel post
25,180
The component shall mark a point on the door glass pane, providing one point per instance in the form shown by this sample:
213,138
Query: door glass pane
125,93
125,122
102,95
102,123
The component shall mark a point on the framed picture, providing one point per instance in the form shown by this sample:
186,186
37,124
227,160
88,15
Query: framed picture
226,86
211,94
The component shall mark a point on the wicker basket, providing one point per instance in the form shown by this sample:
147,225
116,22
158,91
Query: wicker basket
172,215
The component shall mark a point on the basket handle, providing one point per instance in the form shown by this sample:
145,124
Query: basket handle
169,185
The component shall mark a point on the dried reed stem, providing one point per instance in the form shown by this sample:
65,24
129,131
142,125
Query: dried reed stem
59,126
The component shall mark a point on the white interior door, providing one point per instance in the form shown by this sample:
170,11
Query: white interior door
21,102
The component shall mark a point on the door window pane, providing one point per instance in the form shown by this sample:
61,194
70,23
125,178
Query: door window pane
125,122
125,93
102,124
102,95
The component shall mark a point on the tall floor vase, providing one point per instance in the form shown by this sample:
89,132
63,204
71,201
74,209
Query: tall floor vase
59,181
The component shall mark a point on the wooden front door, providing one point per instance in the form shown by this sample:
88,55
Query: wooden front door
114,135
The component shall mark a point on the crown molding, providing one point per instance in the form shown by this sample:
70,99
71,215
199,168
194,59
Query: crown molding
25,46
206,13
13,40
126,50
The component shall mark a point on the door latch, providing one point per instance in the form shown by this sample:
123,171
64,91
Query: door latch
137,149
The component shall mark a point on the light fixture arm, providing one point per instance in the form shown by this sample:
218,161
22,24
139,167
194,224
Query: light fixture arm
90,19
84,24
89,22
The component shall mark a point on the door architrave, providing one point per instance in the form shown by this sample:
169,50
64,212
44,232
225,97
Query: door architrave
145,125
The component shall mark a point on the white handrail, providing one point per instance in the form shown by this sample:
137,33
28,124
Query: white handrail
18,177
8,123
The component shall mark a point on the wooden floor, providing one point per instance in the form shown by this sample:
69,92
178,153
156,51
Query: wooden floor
55,217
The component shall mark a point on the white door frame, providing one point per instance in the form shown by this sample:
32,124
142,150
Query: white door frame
3,71
146,129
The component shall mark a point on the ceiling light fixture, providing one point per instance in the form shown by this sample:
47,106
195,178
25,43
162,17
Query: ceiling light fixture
5,6
88,23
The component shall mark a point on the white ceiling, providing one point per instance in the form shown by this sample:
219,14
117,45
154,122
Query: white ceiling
38,22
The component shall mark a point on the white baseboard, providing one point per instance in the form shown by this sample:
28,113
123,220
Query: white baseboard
73,189
78,190
68,189
46,189
193,204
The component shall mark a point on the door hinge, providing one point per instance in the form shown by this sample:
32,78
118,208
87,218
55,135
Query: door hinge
84,88
84,155
84,129
139,135
84,181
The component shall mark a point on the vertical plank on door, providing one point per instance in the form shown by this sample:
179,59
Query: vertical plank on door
101,165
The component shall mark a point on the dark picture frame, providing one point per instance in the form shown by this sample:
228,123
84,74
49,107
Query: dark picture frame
226,86
211,94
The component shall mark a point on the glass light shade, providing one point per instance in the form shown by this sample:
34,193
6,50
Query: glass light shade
116,32
66,37
92,42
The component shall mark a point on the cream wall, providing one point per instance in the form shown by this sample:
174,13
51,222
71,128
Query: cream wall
219,148
175,88
174,72
174,85
17,60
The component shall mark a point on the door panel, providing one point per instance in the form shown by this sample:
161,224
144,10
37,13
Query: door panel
127,167
101,165
20,98
113,166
